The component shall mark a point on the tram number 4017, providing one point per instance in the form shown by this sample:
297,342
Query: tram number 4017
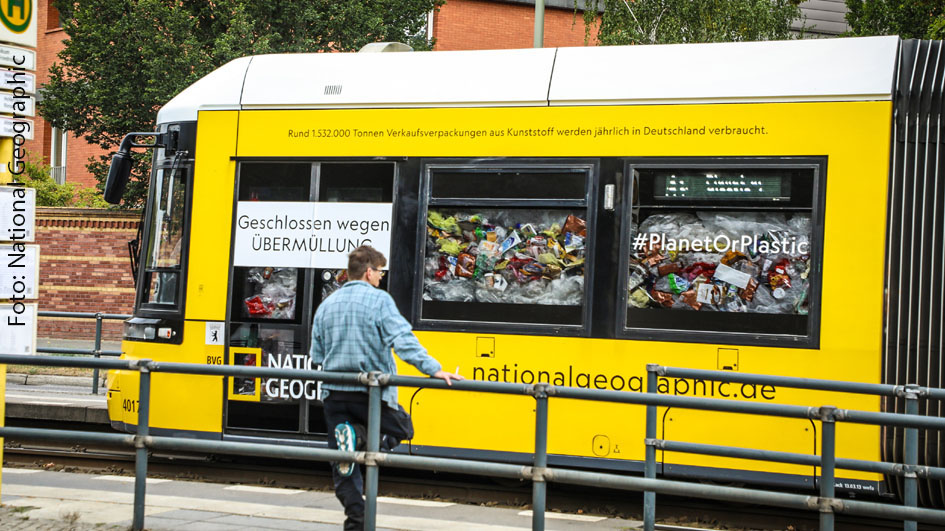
129,405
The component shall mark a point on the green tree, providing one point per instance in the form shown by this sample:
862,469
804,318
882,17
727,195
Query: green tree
126,58
679,21
910,19
51,194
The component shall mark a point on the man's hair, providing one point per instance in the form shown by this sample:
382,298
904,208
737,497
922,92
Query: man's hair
362,258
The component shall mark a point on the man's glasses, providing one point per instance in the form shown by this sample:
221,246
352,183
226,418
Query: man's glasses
382,273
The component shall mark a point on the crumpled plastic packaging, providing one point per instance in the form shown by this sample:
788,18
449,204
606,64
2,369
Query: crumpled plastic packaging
770,291
273,293
514,256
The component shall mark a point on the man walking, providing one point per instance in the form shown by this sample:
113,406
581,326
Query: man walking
354,330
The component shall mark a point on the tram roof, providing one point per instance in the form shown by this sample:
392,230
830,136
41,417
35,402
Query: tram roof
847,69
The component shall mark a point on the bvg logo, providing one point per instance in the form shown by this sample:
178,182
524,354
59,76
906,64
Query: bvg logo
16,14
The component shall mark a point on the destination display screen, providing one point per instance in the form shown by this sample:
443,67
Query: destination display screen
721,185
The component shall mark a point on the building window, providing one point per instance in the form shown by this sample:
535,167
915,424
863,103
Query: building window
57,155
53,17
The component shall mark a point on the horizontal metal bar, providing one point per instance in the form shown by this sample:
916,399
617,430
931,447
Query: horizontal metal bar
890,419
257,372
740,453
60,361
780,457
711,404
930,472
664,486
440,464
715,492
465,385
78,351
936,393
251,449
39,434
84,315
782,381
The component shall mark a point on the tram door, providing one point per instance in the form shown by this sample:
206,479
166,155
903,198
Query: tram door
289,254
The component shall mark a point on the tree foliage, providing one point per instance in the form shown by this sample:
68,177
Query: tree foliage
51,194
680,21
126,58
910,19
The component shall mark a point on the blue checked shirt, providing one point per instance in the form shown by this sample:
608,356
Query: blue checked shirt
354,330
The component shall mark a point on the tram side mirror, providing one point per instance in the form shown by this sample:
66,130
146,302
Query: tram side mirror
118,174
120,169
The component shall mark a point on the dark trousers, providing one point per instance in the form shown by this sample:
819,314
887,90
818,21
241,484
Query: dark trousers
352,407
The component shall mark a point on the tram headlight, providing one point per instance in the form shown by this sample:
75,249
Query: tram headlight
139,331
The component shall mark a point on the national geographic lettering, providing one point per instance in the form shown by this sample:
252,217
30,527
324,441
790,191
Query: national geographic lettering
617,382
290,389
15,258
20,102
19,208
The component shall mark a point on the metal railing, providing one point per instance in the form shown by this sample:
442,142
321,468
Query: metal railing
97,350
539,473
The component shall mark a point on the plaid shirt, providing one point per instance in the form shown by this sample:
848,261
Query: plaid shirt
354,330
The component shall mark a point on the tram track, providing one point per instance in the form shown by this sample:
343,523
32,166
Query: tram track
676,514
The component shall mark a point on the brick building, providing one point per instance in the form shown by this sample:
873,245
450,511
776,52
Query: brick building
84,267
64,152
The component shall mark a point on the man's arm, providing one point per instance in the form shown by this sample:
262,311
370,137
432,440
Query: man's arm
396,331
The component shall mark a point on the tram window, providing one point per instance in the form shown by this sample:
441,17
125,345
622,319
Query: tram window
276,406
721,250
280,181
354,182
278,347
166,237
511,184
267,293
510,265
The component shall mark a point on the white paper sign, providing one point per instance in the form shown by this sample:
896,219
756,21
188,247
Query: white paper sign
18,328
14,79
214,333
15,104
17,214
732,276
302,234
19,271
11,127
17,57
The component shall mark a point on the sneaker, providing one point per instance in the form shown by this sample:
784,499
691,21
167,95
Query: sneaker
347,441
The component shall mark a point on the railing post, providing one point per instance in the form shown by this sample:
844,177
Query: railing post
539,485
373,445
910,480
828,461
141,451
98,350
649,470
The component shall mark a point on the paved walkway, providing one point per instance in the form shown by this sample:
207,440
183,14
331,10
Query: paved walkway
46,500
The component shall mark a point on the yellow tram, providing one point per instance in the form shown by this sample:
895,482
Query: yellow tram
563,215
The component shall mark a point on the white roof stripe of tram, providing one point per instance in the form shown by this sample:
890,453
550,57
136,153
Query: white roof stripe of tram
851,69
